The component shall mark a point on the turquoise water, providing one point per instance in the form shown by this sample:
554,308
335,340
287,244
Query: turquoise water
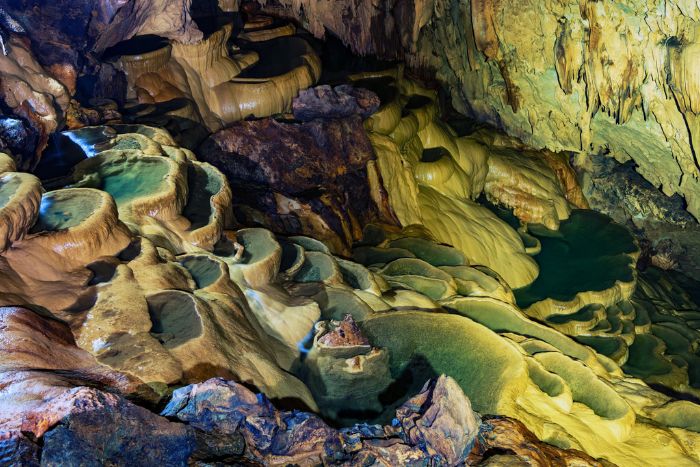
258,245
59,211
8,187
132,179
588,253
203,270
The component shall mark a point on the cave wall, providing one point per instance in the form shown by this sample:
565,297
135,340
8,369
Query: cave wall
584,76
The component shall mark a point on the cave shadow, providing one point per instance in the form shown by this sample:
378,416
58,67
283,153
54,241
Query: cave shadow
408,383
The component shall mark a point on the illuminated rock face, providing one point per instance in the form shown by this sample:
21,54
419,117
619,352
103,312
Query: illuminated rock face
432,177
389,273
589,76
154,291
32,94
221,84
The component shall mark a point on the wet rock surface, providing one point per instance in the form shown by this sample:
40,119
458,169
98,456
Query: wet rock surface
222,421
123,279
19,139
547,78
101,428
40,366
440,421
501,434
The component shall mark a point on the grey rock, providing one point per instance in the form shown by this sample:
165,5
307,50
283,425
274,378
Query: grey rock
440,421
437,425
18,450
340,102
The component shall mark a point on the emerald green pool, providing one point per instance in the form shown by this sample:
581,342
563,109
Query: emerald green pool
423,345
64,209
258,245
645,358
588,253
127,180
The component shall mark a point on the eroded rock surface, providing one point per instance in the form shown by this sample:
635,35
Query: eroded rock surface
304,178
340,102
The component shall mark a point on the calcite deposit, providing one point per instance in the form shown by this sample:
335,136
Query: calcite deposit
587,77
228,239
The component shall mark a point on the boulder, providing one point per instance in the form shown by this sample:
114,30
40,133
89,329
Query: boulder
229,410
440,421
339,102
98,428
305,178
39,367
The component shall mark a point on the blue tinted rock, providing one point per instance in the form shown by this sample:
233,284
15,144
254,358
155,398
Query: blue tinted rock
17,450
104,429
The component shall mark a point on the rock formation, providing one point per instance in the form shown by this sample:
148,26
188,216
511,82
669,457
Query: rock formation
302,178
583,77
208,259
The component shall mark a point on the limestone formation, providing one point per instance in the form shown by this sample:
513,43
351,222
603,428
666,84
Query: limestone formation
432,177
576,76
32,94
153,303
215,262
138,17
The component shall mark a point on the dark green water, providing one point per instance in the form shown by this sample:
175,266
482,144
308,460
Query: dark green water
588,253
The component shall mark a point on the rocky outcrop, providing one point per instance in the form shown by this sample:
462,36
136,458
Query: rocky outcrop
222,421
437,424
32,94
303,178
504,434
169,19
340,102
41,366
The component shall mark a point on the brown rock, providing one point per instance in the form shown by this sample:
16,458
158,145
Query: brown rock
39,366
346,333
499,434
312,167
